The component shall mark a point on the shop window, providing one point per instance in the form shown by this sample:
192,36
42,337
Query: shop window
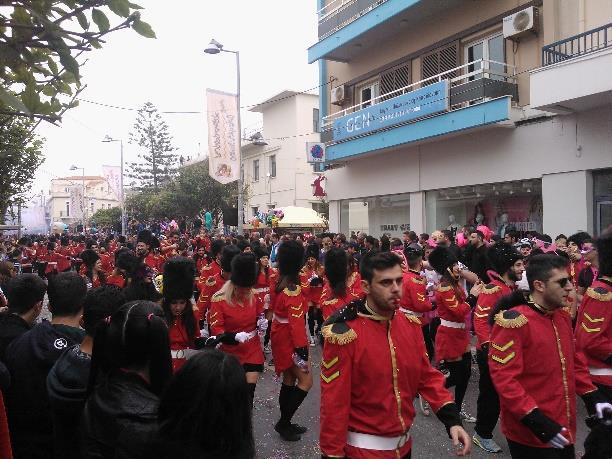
376,215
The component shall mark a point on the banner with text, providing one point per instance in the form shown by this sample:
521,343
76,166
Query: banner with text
112,175
76,202
223,136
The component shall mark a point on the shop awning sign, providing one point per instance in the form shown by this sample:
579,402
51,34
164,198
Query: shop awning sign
410,106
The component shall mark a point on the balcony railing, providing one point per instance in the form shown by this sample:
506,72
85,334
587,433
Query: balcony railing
470,83
339,13
578,45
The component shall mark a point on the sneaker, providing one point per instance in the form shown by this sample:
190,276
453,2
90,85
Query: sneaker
488,444
424,406
466,417
312,341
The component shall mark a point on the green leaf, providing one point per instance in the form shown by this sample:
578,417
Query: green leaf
49,90
30,98
52,65
134,6
120,7
95,43
83,22
69,63
12,101
21,16
100,19
143,29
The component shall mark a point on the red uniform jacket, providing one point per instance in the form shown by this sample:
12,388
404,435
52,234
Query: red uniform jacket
234,318
311,293
56,262
354,283
288,326
154,262
451,343
533,364
372,369
487,300
263,285
107,263
330,303
207,289
594,330
179,340
211,269
414,294
116,279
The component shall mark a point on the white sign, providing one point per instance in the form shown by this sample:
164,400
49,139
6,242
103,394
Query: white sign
76,202
112,174
223,136
315,152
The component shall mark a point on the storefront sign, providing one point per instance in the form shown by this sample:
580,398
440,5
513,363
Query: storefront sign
422,102
395,228
315,152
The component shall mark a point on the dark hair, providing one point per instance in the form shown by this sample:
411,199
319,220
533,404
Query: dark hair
479,233
377,261
100,303
7,272
188,317
370,240
134,337
513,234
424,236
540,267
140,289
579,238
66,294
206,409
561,236
23,292
448,234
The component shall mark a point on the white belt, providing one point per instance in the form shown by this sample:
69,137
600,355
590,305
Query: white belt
282,320
252,334
262,290
600,371
178,354
367,441
414,313
448,323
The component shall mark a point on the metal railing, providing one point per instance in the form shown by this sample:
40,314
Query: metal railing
578,45
481,68
344,12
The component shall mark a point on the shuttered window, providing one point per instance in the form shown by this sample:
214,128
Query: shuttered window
394,79
440,60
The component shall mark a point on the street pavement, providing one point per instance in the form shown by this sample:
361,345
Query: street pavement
429,436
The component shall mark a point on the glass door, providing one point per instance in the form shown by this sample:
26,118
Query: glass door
604,216
487,49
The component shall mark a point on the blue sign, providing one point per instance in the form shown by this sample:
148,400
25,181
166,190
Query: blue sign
422,102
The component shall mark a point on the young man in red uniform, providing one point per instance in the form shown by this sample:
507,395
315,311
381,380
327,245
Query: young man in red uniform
508,268
594,323
535,368
374,364
144,252
214,283
214,267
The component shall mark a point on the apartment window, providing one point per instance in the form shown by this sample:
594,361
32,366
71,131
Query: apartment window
439,61
393,79
255,170
366,92
272,165
67,208
318,167
92,207
254,210
489,49
315,120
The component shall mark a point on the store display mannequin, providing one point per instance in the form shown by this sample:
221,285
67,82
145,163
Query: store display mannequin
504,225
452,224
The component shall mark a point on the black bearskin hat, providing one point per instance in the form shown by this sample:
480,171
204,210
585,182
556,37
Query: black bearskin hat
312,250
179,273
64,241
126,260
51,246
604,253
441,259
121,239
260,252
227,255
154,243
502,256
89,257
244,270
336,266
216,247
145,236
289,257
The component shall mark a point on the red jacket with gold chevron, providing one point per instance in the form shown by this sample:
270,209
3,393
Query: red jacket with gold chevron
207,288
487,300
534,365
594,330
371,371
414,294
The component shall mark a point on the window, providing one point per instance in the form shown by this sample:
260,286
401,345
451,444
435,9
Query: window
242,172
376,215
67,208
92,207
394,79
254,210
315,120
318,167
255,170
488,49
439,61
366,92
272,165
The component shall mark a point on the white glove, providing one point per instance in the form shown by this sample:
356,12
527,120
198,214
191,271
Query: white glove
604,408
559,441
262,324
204,332
267,301
241,337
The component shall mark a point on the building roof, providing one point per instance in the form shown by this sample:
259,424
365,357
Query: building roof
284,94
81,177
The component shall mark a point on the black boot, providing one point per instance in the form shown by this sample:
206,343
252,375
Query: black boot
252,387
299,396
283,426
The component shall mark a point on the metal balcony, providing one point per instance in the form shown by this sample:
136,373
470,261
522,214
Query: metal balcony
340,13
578,45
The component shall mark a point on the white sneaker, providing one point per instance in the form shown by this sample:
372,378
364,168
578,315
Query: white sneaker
488,444
466,417
424,406
312,342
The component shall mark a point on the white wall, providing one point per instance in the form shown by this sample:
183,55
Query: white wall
568,202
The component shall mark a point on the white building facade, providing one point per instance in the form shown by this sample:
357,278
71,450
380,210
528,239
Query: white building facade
453,113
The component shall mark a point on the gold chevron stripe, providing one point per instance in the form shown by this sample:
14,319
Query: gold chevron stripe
297,315
330,378
481,315
503,348
329,364
590,319
483,309
590,330
505,359
296,308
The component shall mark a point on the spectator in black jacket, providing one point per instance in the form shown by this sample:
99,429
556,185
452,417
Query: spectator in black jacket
448,241
68,379
25,294
29,359
475,256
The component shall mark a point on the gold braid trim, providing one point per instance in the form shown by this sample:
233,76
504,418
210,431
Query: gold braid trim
338,338
517,322
413,318
295,292
490,290
599,296
445,288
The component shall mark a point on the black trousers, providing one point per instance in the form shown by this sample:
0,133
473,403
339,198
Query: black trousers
518,451
606,391
487,405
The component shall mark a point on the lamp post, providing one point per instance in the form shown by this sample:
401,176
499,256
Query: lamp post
214,47
83,208
109,139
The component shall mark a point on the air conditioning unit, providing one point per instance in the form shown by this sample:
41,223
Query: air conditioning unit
518,24
339,95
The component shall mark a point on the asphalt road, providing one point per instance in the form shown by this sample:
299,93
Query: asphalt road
429,437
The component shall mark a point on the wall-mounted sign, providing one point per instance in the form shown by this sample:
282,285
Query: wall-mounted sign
315,152
422,102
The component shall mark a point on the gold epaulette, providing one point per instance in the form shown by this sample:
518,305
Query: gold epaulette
599,294
418,280
489,289
295,292
205,267
332,301
444,288
510,319
210,281
414,319
338,333
219,296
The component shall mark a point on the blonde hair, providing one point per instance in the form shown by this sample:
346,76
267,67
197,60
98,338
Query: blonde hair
230,293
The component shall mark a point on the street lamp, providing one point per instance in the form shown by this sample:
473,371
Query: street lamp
214,47
109,139
83,208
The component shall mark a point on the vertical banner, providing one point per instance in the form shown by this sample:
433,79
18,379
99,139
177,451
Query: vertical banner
112,175
76,202
223,136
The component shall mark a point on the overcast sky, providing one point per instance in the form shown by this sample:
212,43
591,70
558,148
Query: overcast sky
173,73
